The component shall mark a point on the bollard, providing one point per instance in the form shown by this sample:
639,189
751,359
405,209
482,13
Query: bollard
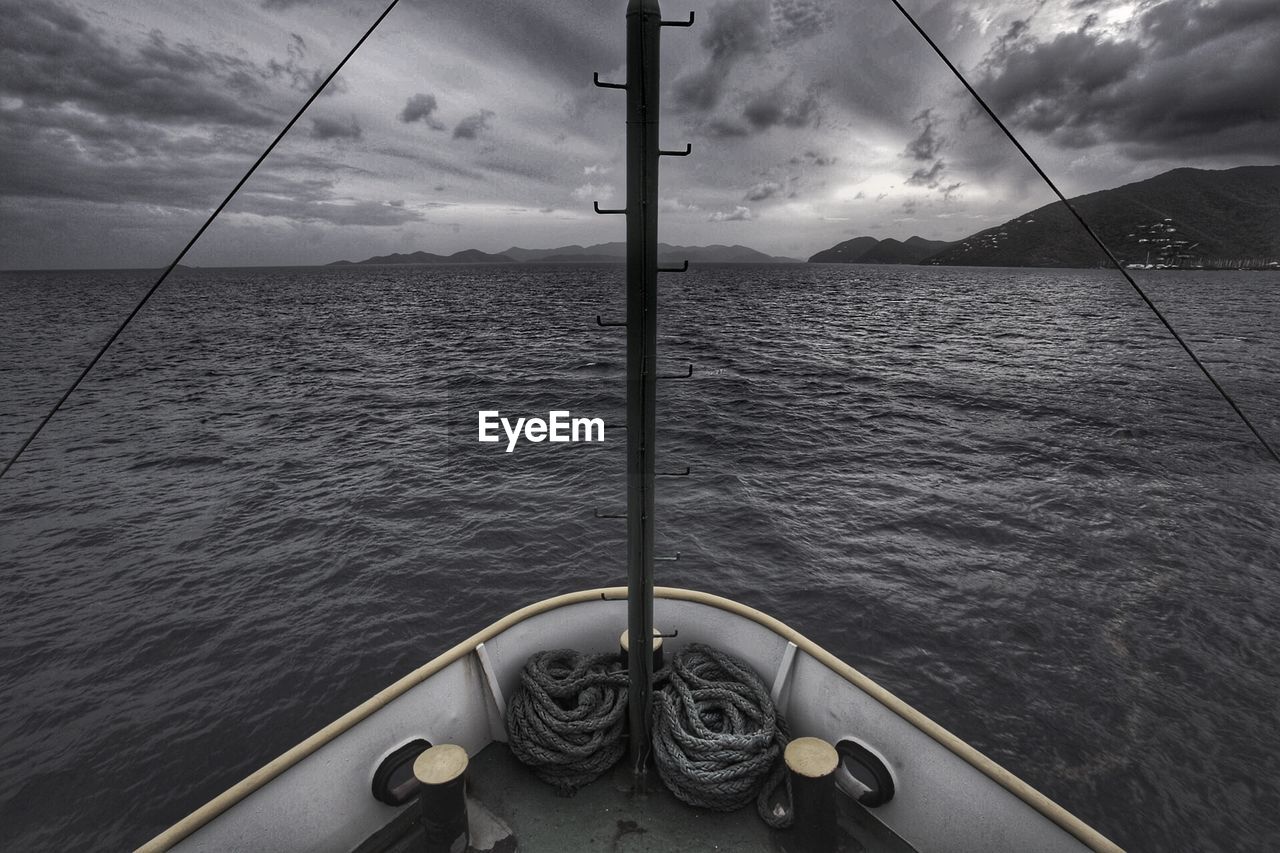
442,771
624,645
811,763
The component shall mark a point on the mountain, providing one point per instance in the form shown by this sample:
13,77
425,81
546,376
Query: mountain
601,253
1184,217
466,256
869,250
847,252
667,254
912,251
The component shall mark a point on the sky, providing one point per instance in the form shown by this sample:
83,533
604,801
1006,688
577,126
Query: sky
475,124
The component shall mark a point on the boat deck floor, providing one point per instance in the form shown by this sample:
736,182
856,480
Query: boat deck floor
511,809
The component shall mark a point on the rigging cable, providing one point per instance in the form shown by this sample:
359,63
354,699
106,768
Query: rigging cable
1074,212
164,275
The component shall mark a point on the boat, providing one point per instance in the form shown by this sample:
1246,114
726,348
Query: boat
444,758
942,794
456,755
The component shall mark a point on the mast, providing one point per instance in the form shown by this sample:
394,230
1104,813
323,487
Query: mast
644,27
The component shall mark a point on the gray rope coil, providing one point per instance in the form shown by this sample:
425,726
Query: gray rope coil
566,718
717,738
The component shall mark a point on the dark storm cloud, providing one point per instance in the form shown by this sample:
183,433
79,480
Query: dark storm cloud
734,30
764,110
779,106
323,127
419,108
1189,79
1016,32
100,120
301,77
473,125
1178,26
929,177
929,141
86,157
925,147
53,56
129,166
723,96
698,91
725,129
1048,84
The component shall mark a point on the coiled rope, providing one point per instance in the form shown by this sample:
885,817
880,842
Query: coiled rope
566,719
717,738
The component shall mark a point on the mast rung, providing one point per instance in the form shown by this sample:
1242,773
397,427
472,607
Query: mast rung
688,23
600,322
595,78
684,375
599,209
688,149
684,268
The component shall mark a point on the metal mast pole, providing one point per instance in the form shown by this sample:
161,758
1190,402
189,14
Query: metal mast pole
644,21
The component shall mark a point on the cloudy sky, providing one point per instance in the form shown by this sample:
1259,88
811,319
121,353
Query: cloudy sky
473,123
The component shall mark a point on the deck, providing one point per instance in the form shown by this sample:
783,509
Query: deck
606,816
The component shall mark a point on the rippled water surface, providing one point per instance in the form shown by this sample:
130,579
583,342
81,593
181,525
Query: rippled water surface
1005,494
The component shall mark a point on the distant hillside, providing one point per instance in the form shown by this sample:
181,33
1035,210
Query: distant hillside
848,252
601,253
617,252
466,256
869,250
1182,218
912,251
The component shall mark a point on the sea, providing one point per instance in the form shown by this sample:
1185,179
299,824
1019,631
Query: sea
1005,494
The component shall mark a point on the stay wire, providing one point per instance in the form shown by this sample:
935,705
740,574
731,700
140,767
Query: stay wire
1079,218
164,275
